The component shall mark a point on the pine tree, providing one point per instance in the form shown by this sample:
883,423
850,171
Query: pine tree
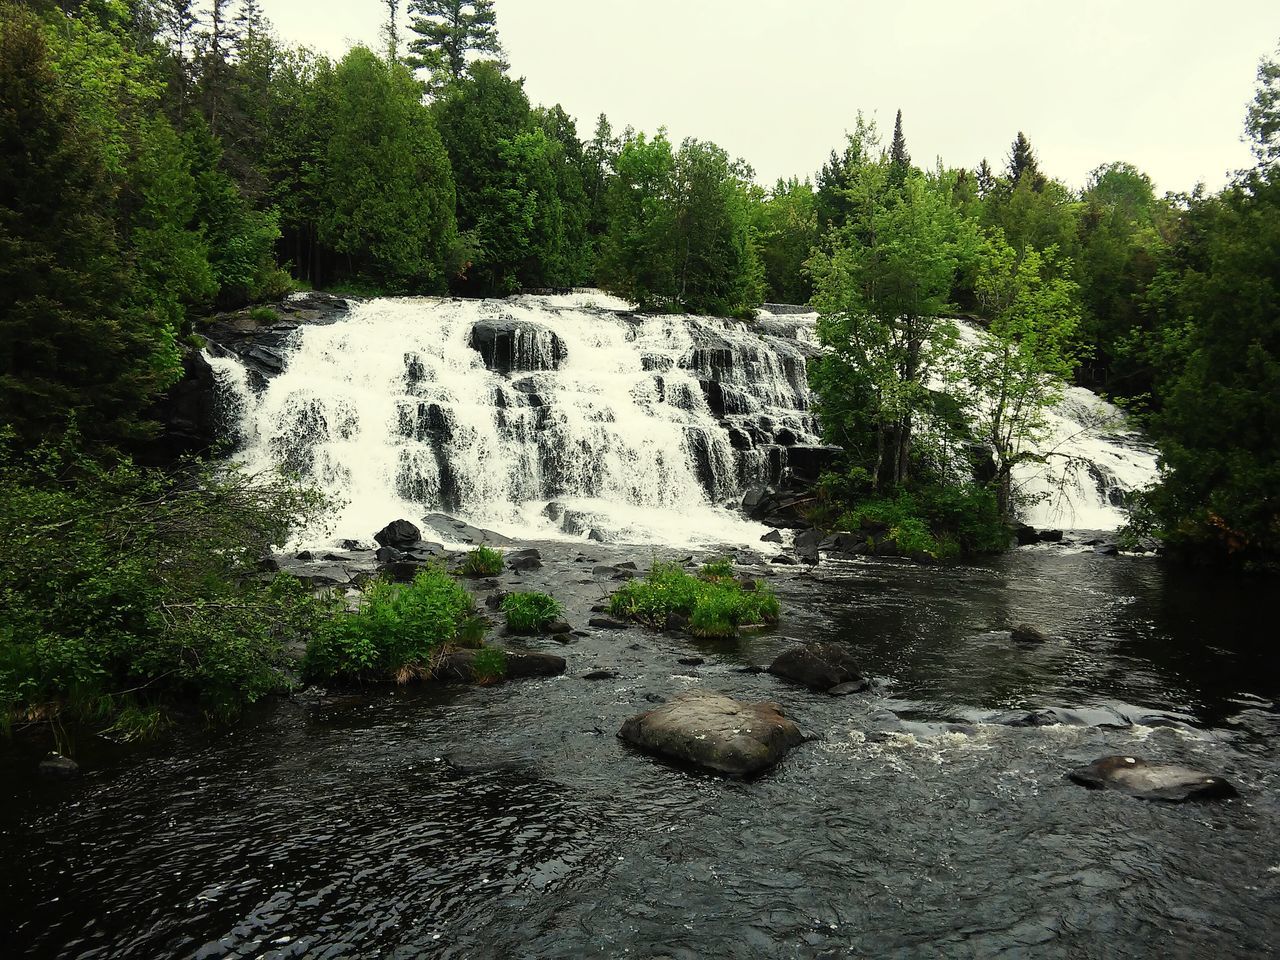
446,32
391,30
216,43
898,155
1022,162
986,178
73,340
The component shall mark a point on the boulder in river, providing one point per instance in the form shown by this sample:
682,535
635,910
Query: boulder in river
523,560
1151,781
57,767
819,666
1025,633
459,665
398,534
715,732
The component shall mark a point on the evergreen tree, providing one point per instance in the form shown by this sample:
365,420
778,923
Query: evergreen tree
72,339
391,30
385,186
836,176
898,156
985,177
1023,163
447,32
1262,122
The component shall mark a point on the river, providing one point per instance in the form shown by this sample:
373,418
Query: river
510,822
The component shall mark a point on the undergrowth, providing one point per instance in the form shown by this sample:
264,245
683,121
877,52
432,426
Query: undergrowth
482,562
529,612
714,604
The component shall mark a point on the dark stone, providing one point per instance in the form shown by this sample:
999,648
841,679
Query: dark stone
607,623
819,666
748,584
845,545
1151,781
785,559
807,462
304,555
773,536
494,601
398,534
459,531
388,555
1053,716
522,560
785,437
715,732
676,622
691,661
1049,536
188,413
627,565
1106,550
1025,535
57,767
1025,633
598,537
506,344
564,638
557,626
612,573
600,675
806,546
403,571
459,665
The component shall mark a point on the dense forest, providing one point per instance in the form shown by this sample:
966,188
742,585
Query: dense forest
162,159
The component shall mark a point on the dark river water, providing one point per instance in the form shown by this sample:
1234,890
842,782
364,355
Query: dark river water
510,821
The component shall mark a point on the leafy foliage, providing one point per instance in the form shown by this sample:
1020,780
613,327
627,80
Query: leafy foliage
714,603
396,632
529,612
132,588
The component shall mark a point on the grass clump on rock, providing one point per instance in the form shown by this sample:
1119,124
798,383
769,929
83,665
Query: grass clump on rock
482,562
397,632
713,604
529,612
489,665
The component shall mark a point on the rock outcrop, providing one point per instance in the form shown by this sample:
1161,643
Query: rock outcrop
820,666
715,732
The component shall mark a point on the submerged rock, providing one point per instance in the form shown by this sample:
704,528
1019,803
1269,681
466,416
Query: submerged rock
607,623
57,767
819,666
715,732
1151,781
459,665
1025,633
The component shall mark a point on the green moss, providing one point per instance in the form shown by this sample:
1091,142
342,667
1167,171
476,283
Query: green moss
529,612
715,606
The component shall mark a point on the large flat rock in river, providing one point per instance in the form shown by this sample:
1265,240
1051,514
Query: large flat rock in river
715,732
1151,781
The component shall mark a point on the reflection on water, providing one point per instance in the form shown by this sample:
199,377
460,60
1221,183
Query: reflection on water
511,822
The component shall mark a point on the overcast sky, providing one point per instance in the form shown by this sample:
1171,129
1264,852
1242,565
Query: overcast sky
1162,84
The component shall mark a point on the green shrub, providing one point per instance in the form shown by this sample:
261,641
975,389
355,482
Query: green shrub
482,562
529,612
720,568
397,630
125,590
263,315
936,521
715,606
489,665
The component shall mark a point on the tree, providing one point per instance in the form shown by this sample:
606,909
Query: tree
881,291
1262,122
1012,375
831,196
985,177
899,159
1023,163
391,30
447,33
637,259
786,227
385,182
74,338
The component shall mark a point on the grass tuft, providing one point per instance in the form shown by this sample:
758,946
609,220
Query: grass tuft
714,604
529,612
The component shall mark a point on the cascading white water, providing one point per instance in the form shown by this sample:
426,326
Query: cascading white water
492,409
553,416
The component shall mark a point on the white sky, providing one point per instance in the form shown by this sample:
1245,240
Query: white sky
1162,84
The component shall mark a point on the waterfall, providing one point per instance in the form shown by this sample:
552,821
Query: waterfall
537,415
572,416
